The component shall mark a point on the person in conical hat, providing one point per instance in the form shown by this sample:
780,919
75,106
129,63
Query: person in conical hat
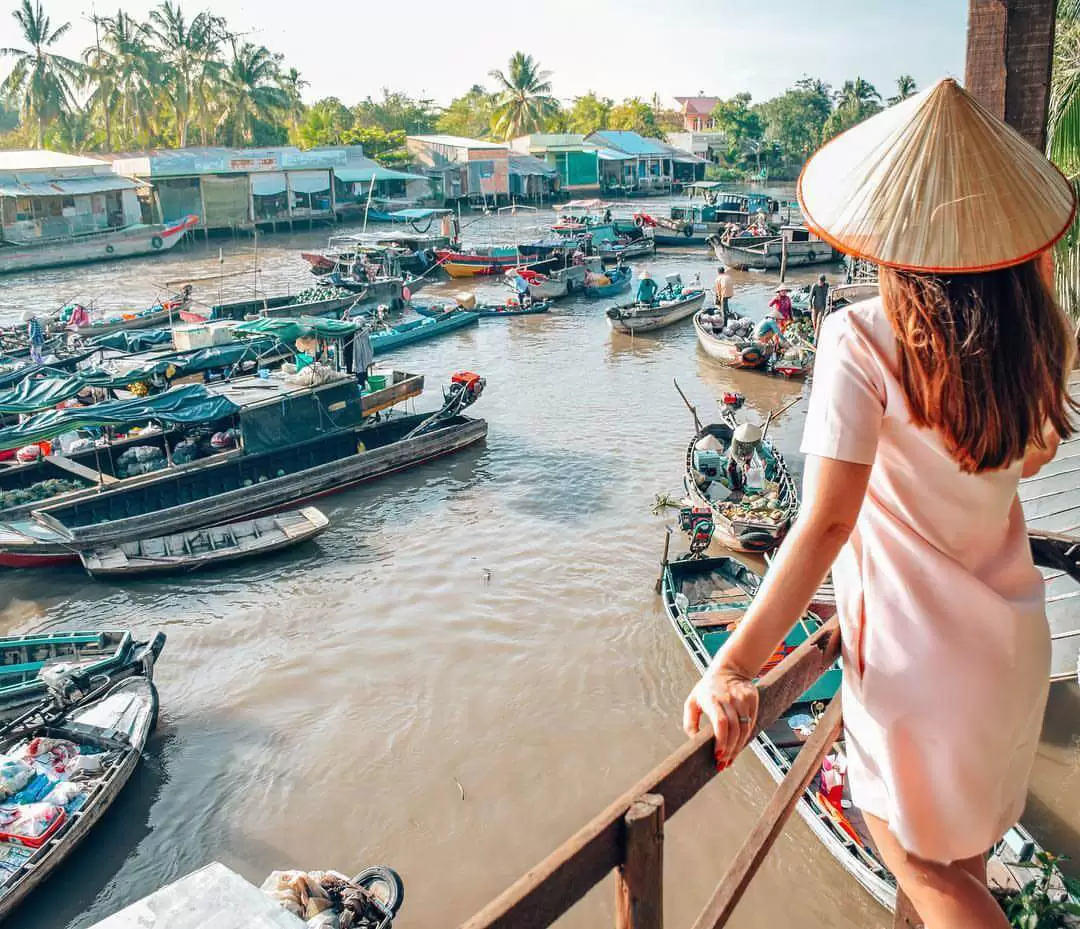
929,403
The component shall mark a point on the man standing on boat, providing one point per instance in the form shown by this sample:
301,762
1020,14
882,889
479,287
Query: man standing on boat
724,289
819,299
35,335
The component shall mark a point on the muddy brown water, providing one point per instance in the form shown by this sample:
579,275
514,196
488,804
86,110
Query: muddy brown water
482,626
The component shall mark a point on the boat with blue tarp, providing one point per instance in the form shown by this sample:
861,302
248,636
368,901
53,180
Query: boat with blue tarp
421,330
618,280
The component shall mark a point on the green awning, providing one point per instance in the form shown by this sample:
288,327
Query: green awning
289,329
190,404
377,172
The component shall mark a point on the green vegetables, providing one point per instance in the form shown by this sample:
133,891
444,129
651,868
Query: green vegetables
42,490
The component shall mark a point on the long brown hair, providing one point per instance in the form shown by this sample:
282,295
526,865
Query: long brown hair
984,359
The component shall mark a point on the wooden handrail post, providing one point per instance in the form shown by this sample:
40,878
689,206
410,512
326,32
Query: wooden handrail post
639,880
742,870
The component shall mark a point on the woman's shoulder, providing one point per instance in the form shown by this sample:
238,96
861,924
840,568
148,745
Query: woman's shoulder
865,320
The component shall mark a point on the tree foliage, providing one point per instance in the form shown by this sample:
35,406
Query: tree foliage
589,114
635,115
469,115
525,102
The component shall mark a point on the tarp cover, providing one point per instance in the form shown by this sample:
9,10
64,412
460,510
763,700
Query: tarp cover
134,340
190,404
289,329
39,393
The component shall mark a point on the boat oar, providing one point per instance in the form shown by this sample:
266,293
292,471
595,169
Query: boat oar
778,412
689,406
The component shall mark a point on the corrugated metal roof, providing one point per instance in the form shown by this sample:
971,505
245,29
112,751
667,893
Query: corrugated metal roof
630,142
457,141
38,160
524,165
607,154
69,187
365,172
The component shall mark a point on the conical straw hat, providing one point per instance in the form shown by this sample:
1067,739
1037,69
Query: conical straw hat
936,183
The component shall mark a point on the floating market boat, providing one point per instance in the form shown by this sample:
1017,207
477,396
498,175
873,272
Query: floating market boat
705,598
693,223
136,239
114,654
421,330
799,244
315,301
550,286
481,261
748,520
292,445
618,281
732,343
209,547
107,737
632,318
488,310
153,317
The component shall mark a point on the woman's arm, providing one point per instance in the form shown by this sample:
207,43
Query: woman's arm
726,694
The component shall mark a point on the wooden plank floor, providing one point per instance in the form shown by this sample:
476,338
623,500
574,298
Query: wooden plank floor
1052,501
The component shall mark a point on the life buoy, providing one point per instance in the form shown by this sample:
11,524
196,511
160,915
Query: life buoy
109,249
810,256
751,356
157,241
755,540
639,220
688,231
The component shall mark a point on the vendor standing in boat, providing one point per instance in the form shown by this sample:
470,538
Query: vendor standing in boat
782,304
35,336
646,290
819,301
929,404
723,291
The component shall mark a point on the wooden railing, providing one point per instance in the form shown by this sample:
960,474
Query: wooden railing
627,837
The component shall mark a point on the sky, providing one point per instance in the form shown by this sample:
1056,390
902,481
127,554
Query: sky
618,48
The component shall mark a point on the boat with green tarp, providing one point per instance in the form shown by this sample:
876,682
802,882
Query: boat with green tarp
291,444
421,330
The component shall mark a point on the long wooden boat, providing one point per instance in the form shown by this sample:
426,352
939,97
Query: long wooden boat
111,653
113,729
746,521
421,330
133,240
613,251
204,548
736,351
704,599
488,310
618,281
552,285
152,318
635,317
319,301
801,246
217,491
482,261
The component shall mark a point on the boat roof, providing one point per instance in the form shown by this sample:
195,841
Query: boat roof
290,328
582,205
415,214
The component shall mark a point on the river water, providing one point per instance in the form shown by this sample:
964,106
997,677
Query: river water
472,661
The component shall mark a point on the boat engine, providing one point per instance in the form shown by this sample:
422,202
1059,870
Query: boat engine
465,387
733,400
697,523
66,684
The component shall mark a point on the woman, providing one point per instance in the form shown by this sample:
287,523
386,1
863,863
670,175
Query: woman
781,303
929,404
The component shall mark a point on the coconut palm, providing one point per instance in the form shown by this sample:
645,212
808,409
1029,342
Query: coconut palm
524,99
252,92
41,82
858,94
291,82
123,72
190,54
1063,143
905,87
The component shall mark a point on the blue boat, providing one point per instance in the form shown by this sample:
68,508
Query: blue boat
420,330
488,310
620,281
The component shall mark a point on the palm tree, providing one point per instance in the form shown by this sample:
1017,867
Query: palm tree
189,51
251,93
905,87
1063,144
124,73
291,82
858,94
40,81
524,102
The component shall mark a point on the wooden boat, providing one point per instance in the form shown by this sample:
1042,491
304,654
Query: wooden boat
613,251
550,286
488,310
704,599
203,548
246,483
801,246
792,361
316,301
618,281
111,653
153,318
114,729
482,261
421,330
745,521
138,239
636,317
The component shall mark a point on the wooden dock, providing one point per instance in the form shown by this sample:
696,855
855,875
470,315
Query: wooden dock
1051,502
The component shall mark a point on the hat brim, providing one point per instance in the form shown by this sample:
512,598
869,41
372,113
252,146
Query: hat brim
838,241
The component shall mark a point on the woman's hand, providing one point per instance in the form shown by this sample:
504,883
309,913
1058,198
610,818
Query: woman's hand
728,698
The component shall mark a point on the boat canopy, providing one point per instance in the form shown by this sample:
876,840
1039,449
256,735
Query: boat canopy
415,215
582,205
192,403
134,340
40,393
289,329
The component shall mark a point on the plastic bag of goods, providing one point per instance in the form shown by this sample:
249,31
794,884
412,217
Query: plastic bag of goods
147,453
31,823
298,892
29,453
466,300
54,754
15,774
64,793
185,451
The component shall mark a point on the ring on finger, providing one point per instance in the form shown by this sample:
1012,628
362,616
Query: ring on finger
744,720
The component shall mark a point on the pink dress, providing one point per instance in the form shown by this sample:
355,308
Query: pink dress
945,641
